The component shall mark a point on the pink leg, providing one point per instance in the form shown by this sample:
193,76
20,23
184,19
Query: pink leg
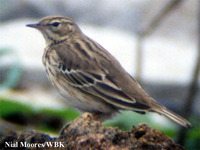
96,116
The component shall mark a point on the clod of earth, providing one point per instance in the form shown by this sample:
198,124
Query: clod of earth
85,133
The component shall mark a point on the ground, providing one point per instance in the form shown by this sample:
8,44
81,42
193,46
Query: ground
85,133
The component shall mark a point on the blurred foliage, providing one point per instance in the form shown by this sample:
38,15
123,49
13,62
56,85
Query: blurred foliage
193,135
52,120
128,118
45,119
14,71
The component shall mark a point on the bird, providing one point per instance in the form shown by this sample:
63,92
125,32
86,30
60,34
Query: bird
89,77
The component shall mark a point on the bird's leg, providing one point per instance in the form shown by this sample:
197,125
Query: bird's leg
96,117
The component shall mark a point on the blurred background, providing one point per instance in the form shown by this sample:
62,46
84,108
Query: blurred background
157,42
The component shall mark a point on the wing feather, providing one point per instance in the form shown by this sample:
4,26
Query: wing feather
97,84
95,80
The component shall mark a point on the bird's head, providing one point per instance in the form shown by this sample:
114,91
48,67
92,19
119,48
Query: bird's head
56,29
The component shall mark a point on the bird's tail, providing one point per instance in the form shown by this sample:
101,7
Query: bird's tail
171,115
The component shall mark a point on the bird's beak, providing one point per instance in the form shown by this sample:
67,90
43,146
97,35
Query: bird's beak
35,25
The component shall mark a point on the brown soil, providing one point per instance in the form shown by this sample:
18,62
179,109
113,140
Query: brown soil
85,133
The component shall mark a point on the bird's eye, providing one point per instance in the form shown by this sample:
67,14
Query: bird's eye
55,24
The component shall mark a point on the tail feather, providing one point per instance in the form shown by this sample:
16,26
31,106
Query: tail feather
162,110
175,117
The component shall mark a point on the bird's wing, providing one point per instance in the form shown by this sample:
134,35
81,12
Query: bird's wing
77,71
